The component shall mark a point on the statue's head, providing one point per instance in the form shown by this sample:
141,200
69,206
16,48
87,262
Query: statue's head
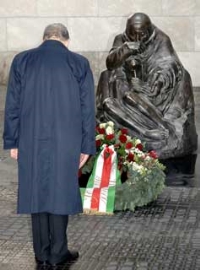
139,27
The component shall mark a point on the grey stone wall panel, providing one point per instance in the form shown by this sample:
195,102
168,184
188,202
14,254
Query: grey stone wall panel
10,8
197,8
197,33
191,61
67,8
5,62
179,7
24,33
179,29
94,34
3,35
127,7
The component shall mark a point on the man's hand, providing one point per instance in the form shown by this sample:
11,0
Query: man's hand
83,159
14,153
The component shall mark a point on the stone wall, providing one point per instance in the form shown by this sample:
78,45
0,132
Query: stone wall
94,23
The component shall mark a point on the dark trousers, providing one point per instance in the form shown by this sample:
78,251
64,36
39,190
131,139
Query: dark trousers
50,237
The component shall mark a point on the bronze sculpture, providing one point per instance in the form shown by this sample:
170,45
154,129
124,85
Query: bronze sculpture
147,90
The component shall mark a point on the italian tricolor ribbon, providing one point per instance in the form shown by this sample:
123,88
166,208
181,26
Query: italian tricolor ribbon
99,195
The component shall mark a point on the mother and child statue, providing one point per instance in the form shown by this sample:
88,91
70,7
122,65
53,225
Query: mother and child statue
147,90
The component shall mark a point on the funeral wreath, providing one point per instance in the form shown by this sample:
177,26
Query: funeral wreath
145,175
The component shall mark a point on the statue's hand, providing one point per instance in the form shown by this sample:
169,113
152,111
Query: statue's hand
131,62
134,47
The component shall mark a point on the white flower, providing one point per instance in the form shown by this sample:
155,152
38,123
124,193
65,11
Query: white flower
102,125
148,158
100,137
141,154
138,152
109,130
137,141
126,163
138,168
110,123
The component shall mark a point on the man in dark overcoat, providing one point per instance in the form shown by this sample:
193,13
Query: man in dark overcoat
50,129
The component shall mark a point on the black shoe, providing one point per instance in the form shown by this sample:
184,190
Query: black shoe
71,256
43,267
41,263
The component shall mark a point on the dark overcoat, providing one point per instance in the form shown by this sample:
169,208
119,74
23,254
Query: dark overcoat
50,118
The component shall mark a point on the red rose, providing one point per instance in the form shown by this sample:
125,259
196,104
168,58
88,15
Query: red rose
102,131
124,131
153,154
129,145
98,143
130,157
139,146
110,137
122,138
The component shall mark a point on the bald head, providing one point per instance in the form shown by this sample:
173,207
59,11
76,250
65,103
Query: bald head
56,31
139,27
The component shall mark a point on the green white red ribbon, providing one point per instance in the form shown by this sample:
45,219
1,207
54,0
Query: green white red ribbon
99,195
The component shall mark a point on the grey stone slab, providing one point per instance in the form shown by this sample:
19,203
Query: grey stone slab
18,8
3,36
197,33
5,62
94,34
125,8
67,8
179,7
25,33
191,61
197,8
179,29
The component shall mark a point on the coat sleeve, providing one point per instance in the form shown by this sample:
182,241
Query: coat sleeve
88,112
12,108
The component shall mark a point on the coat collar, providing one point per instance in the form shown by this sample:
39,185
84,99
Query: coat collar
54,44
